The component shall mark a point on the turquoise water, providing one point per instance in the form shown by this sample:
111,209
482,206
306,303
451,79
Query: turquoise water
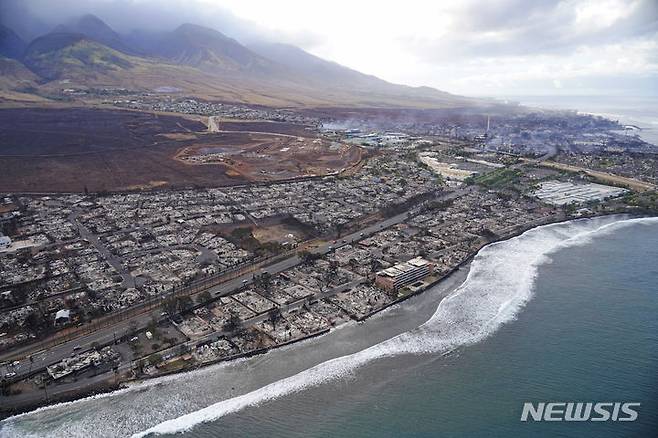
566,312
589,334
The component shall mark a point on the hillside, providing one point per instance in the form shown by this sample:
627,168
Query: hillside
94,28
315,69
210,50
74,56
11,45
334,77
206,63
14,75
16,81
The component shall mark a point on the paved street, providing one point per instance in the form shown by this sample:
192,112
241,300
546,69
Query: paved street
107,335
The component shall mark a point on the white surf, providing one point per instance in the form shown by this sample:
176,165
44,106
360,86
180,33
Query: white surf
499,283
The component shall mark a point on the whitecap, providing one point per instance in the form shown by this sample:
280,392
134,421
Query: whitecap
499,283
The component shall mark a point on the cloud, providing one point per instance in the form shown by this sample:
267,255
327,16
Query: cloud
469,47
521,28
152,15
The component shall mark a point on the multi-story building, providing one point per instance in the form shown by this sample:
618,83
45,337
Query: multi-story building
403,274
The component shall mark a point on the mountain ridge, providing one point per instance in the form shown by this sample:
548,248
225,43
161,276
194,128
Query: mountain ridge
204,62
11,45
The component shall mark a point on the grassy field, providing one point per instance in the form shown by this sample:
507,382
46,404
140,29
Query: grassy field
498,179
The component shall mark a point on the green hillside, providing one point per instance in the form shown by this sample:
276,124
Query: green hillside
75,57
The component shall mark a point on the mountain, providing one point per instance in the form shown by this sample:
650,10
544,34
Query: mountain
16,81
13,74
146,42
94,28
73,55
211,50
204,62
312,67
330,76
11,45
17,15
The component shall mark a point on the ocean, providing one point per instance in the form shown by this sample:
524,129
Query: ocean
641,111
564,312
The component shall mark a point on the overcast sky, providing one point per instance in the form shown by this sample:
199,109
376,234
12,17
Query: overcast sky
494,47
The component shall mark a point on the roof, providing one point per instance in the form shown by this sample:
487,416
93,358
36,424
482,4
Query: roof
64,313
401,268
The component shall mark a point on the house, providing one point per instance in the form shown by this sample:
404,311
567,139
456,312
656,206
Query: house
62,316
5,242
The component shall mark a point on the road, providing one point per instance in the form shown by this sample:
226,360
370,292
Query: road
213,127
107,335
603,176
87,381
127,279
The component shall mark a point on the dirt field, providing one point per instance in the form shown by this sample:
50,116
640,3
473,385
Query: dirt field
76,131
269,157
280,233
70,149
265,126
258,236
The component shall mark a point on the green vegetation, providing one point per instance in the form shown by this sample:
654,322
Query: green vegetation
504,178
174,305
307,257
84,57
155,359
244,238
204,297
646,201
241,233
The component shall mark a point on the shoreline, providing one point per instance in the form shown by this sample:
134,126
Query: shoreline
458,274
459,271
403,384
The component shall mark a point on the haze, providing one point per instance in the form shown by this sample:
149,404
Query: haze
501,47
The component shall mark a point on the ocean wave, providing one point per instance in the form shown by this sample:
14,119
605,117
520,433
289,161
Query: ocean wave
464,317
500,282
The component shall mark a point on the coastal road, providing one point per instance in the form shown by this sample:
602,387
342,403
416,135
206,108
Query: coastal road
107,335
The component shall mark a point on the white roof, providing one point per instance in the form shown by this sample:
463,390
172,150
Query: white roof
401,268
64,313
